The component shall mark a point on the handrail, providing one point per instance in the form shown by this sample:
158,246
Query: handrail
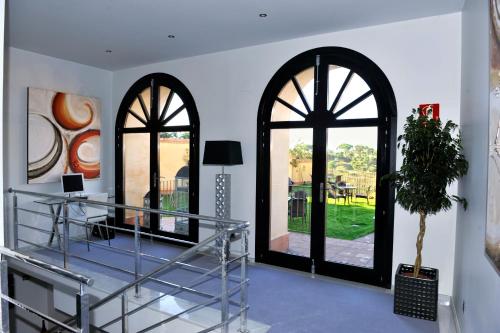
173,292
157,270
117,249
193,308
143,209
46,266
221,238
38,313
81,223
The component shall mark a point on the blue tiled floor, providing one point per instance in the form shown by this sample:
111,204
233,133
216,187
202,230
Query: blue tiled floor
290,302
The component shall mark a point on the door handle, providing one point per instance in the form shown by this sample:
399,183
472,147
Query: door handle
321,192
155,180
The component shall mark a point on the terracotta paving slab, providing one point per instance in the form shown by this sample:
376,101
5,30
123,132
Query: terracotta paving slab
358,252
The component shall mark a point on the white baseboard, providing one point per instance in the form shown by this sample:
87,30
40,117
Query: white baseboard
458,328
444,300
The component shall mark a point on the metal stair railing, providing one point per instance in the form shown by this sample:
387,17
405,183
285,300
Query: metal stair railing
223,297
82,296
174,292
224,237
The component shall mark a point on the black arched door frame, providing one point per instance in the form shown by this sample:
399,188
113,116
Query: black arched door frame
154,127
386,122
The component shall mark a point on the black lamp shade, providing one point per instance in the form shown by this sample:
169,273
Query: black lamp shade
222,153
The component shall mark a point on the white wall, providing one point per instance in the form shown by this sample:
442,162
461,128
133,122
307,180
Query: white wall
421,58
26,69
476,282
2,106
2,51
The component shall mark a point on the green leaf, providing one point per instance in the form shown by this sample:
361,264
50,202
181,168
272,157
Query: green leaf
432,160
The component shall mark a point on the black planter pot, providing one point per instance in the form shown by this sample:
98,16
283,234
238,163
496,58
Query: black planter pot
416,297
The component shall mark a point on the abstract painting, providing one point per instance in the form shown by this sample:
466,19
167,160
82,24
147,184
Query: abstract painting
63,135
492,241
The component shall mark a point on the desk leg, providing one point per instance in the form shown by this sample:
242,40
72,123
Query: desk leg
58,214
51,210
55,227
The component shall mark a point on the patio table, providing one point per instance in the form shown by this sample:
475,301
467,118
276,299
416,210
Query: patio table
348,190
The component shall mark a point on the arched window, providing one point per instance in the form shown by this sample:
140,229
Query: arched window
157,134
326,134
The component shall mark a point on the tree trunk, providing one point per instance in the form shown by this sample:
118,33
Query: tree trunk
420,243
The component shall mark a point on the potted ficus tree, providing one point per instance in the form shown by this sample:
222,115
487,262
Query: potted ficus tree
432,160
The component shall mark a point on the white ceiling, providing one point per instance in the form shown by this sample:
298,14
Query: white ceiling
137,30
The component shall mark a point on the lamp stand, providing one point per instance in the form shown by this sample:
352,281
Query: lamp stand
222,205
223,195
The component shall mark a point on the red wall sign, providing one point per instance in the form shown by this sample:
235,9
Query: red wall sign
425,108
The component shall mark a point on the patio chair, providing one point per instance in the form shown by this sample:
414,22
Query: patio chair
336,193
298,205
300,195
365,194
290,185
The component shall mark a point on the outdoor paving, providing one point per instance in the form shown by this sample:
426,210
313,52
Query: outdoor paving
358,252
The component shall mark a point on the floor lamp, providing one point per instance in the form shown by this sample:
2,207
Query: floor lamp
223,153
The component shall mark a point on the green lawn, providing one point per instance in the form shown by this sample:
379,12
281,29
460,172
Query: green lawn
182,202
348,221
166,203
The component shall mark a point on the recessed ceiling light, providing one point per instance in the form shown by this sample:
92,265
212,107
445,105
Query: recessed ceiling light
171,36
262,15
108,51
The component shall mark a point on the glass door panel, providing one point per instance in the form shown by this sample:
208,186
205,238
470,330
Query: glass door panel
324,136
135,121
304,84
365,109
290,197
158,133
351,180
338,77
296,98
165,96
298,92
355,87
141,106
179,119
136,175
174,180
170,104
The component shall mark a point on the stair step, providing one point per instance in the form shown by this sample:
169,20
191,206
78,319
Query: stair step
64,300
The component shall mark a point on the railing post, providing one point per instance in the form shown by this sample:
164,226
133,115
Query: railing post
16,222
65,234
82,310
244,284
137,249
224,279
4,277
124,312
